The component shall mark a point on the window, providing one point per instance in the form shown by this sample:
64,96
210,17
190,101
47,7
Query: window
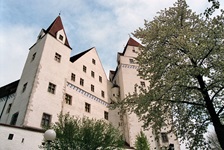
9,108
33,57
24,87
84,68
87,107
102,93
14,118
73,77
57,57
51,88
92,74
46,120
106,115
61,37
81,82
94,61
10,137
142,84
164,137
100,79
68,99
92,88
135,89
131,61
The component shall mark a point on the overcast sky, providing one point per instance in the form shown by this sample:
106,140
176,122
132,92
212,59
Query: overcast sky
104,24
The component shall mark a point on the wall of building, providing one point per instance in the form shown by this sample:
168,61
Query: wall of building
22,139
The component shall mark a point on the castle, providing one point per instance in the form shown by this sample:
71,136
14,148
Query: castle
53,82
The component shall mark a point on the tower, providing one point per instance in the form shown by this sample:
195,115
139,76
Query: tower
125,78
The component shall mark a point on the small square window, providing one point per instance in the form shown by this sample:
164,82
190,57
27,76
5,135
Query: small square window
131,61
164,137
102,93
81,82
51,88
61,37
106,115
24,87
94,61
92,88
87,107
73,77
68,99
92,74
10,137
100,79
9,108
84,68
57,57
142,84
46,120
33,57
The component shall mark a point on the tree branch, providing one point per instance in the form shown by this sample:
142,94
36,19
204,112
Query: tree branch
220,110
216,93
186,102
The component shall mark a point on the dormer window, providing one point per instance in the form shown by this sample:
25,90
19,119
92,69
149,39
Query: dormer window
61,37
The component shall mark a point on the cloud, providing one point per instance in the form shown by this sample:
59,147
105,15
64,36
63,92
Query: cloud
14,44
100,23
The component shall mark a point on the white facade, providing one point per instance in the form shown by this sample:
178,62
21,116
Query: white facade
52,82
17,138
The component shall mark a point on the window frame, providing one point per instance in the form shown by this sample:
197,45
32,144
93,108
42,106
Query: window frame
87,107
164,137
106,115
68,99
92,88
81,82
84,68
14,118
102,93
51,88
100,79
57,57
73,76
93,61
93,74
46,120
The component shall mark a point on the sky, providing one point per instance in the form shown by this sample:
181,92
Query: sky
103,24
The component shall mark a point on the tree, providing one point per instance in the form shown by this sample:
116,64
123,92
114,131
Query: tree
213,141
210,10
79,134
141,142
182,58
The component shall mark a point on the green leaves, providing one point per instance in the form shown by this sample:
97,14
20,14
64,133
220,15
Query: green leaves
182,59
141,142
84,133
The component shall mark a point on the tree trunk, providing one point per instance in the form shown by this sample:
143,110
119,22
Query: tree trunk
219,128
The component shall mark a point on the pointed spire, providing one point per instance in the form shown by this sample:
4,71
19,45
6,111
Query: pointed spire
55,27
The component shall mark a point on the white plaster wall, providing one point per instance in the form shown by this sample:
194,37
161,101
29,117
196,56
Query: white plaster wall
31,139
29,71
49,70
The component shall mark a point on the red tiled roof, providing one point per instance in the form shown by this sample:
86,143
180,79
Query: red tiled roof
55,27
132,42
